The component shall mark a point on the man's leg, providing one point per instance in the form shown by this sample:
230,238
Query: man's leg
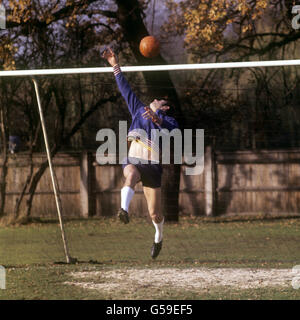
132,177
153,197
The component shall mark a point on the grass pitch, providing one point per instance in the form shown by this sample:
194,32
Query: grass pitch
250,255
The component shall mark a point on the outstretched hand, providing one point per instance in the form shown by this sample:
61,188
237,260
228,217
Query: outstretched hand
110,56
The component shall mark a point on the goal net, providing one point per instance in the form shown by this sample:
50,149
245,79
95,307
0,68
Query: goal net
248,112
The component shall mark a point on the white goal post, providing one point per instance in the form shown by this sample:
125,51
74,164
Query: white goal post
170,67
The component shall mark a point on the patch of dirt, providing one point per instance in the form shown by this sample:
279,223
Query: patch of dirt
189,279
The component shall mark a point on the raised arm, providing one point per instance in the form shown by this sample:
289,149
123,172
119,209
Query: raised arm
129,96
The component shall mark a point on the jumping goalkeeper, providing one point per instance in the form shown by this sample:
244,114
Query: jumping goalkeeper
135,169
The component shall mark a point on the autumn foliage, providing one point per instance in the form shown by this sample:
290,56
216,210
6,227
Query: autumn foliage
203,22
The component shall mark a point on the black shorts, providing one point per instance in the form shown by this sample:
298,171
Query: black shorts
150,172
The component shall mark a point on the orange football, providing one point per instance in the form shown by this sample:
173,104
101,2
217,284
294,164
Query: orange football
149,47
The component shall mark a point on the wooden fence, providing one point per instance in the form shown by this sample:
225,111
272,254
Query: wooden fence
241,182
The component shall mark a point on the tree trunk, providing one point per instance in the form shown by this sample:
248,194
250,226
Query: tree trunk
23,192
34,182
3,121
129,16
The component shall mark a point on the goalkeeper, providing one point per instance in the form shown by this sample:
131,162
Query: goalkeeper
142,150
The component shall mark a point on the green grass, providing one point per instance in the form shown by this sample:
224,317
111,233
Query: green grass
34,258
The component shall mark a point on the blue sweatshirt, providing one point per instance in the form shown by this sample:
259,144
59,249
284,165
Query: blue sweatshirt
136,109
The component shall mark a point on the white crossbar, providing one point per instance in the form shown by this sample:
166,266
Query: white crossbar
171,67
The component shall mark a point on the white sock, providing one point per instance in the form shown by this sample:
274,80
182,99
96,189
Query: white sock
126,196
158,231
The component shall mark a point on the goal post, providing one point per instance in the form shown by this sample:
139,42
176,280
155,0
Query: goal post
170,67
69,259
